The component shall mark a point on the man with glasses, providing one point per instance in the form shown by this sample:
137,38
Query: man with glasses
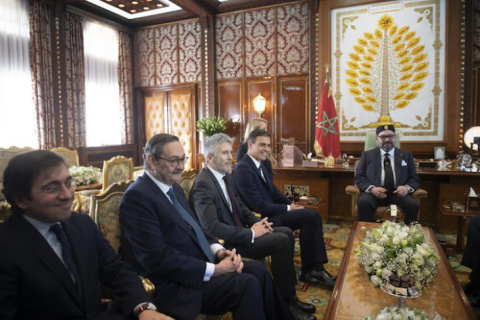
54,261
163,240
386,175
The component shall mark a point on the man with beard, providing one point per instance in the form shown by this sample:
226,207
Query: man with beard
386,175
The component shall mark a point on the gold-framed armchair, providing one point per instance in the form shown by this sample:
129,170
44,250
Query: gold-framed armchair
187,180
116,169
70,156
104,210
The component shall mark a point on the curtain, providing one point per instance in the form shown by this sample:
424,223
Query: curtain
16,102
74,82
103,113
41,73
125,85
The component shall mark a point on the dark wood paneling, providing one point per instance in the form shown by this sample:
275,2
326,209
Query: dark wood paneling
293,113
230,108
94,156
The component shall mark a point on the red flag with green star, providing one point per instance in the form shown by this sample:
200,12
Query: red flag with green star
326,131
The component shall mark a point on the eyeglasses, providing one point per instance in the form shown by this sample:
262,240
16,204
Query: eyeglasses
387,136
57,187
175,162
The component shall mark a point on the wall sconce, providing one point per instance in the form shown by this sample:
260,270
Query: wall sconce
259,104
472,138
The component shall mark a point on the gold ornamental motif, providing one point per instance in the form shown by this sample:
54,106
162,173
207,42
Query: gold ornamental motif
386,69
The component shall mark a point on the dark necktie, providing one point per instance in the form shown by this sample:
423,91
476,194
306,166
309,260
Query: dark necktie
260,172
196,227
66,251
388,179
234,210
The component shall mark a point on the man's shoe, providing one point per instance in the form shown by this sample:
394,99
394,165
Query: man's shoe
299,314
322,278
306,307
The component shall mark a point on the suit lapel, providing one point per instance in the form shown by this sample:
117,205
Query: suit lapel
219,188
38,246
398,164
255,169
377,161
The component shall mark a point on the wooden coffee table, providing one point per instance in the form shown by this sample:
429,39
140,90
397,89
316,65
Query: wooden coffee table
355,297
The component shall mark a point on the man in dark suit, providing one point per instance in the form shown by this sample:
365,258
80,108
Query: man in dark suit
54,261
220,209
471,259
386,175
162,239
258,192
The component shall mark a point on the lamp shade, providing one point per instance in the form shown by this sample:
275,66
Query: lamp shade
468,138
259,104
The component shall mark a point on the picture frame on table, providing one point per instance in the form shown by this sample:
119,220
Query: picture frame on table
439,153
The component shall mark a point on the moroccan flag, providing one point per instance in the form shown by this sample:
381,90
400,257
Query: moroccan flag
326,131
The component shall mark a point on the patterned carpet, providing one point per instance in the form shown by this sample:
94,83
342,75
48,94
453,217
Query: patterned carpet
336,233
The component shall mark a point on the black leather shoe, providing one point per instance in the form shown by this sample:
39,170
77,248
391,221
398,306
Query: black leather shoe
299,314
322,278
306,307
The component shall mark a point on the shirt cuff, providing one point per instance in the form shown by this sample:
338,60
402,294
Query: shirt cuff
369,187
253,236
209,271
410,189
288,207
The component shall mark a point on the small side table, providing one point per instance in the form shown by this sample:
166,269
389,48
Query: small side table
446,211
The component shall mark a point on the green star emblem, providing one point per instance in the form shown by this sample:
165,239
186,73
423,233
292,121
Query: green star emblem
327,124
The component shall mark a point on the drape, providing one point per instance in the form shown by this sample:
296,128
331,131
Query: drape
74,125
16,104
41,73
125,83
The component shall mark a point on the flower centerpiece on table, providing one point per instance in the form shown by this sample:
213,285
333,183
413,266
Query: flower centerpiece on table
396,313
398,249
210,126
85,175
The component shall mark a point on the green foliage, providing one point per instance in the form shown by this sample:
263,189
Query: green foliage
210,126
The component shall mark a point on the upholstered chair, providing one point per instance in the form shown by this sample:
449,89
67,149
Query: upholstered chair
116,169
71,156
187,180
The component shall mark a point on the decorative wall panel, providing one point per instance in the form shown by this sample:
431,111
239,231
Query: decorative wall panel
181,121
229,46
166,67
155,114
293,39
260,43
476,32
189,46
144,58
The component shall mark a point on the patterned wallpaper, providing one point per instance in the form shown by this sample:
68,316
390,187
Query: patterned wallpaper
166,55
282,30
272,41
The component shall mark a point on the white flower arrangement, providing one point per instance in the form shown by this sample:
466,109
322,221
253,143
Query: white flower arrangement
85,175
395,313
395,248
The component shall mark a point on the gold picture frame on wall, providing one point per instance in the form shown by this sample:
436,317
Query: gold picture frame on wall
451,86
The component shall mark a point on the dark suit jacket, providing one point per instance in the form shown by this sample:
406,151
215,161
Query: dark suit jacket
214,212
160,245
36,285
259,196
369,170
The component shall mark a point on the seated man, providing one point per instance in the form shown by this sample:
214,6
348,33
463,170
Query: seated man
219,208
471,259
192,272
258,192
385,176
53,261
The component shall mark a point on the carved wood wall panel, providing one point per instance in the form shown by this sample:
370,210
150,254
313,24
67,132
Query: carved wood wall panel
189,47
293,39
260,42
230,107
229,46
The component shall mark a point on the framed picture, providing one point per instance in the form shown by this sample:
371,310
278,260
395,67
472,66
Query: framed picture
439,153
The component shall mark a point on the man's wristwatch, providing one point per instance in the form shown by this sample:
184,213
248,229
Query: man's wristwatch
142,307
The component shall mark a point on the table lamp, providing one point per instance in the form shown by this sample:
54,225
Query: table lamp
472,138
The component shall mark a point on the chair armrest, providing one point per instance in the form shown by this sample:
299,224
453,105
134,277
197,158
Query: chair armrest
353,190
420,193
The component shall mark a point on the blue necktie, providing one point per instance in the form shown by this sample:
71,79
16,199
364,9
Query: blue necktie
67,253
189,219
